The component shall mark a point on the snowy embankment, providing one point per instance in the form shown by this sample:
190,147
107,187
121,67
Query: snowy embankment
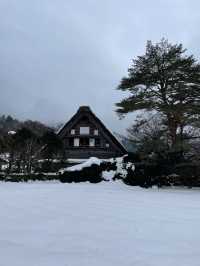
105,224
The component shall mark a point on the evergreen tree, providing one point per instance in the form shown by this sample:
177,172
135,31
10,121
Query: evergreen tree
149,135
166,80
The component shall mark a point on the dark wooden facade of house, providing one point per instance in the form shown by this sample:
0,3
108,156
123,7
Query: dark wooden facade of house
84,136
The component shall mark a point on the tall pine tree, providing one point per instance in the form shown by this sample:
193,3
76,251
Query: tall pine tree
167,80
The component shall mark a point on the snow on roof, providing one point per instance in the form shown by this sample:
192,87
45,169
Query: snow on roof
60,128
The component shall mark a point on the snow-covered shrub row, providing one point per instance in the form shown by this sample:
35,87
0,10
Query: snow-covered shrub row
90,170
148,174
95,170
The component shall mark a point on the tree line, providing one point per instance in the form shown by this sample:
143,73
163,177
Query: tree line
24,148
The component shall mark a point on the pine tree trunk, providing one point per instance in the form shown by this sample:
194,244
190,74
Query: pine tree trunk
172,126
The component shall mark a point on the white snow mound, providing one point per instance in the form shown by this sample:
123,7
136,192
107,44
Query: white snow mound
79,167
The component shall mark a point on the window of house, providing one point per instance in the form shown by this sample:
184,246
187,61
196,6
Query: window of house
72,131
92,142
96,132
76,142
84,142
84,130
107,145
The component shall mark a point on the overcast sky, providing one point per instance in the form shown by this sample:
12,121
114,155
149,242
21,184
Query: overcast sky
56,55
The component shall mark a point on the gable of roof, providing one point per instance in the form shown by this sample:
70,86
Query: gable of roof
85,110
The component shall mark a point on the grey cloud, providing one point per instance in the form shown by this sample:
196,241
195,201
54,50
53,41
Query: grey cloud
57,55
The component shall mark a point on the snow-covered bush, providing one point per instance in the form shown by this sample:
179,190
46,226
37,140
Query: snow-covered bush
96,170
123,168
86,171
144,173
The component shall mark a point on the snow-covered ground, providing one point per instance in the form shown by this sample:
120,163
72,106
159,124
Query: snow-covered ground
105,224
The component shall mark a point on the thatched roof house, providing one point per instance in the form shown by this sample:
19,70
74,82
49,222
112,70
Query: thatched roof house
84,136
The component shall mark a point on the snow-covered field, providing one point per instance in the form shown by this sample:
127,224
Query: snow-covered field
54,224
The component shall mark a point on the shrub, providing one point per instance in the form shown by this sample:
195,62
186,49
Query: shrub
138,177
91,174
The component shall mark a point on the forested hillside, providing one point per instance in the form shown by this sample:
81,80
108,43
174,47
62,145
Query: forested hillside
8,123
